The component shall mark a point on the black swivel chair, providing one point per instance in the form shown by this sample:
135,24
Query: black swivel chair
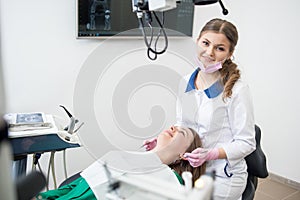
257,167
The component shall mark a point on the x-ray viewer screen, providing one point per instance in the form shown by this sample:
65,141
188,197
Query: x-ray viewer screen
98,18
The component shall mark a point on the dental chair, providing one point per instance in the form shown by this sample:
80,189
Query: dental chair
70,179
257,167
256,163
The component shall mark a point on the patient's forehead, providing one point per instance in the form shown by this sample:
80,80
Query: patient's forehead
187,130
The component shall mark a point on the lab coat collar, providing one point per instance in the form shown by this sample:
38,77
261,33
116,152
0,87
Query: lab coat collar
213,91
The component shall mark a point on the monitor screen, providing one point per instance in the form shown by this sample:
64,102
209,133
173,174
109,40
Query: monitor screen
104,18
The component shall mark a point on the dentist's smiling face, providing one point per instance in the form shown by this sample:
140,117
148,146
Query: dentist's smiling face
179,137
213,47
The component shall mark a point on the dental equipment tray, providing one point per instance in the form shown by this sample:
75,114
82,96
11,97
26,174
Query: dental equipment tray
39,144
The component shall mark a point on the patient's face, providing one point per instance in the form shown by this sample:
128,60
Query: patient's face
178,137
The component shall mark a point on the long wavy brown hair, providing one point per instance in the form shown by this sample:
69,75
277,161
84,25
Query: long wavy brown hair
229,72
183,165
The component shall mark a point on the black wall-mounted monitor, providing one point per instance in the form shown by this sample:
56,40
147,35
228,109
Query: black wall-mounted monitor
104,18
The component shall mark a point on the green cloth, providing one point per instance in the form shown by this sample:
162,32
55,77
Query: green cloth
78,189
179,177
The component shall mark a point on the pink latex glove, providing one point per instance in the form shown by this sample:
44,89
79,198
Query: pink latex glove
197,157
150,144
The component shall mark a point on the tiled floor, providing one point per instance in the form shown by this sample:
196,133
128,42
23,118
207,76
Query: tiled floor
268,189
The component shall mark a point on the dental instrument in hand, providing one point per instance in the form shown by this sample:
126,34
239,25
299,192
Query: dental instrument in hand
149,144
143,145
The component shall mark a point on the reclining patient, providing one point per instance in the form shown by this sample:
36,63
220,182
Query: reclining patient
164,162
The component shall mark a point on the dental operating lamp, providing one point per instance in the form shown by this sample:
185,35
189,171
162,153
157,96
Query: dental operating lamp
206,2
145,9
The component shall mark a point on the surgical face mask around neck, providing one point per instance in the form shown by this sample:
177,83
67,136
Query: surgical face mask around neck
209,68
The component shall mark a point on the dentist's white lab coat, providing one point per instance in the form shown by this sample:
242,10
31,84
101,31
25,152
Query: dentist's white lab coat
228,124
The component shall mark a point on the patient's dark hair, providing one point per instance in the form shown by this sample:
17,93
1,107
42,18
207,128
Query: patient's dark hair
183,165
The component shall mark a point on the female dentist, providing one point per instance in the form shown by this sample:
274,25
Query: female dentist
214,101
217,104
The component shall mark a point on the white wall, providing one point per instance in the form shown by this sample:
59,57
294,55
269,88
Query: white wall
42,59
267,54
